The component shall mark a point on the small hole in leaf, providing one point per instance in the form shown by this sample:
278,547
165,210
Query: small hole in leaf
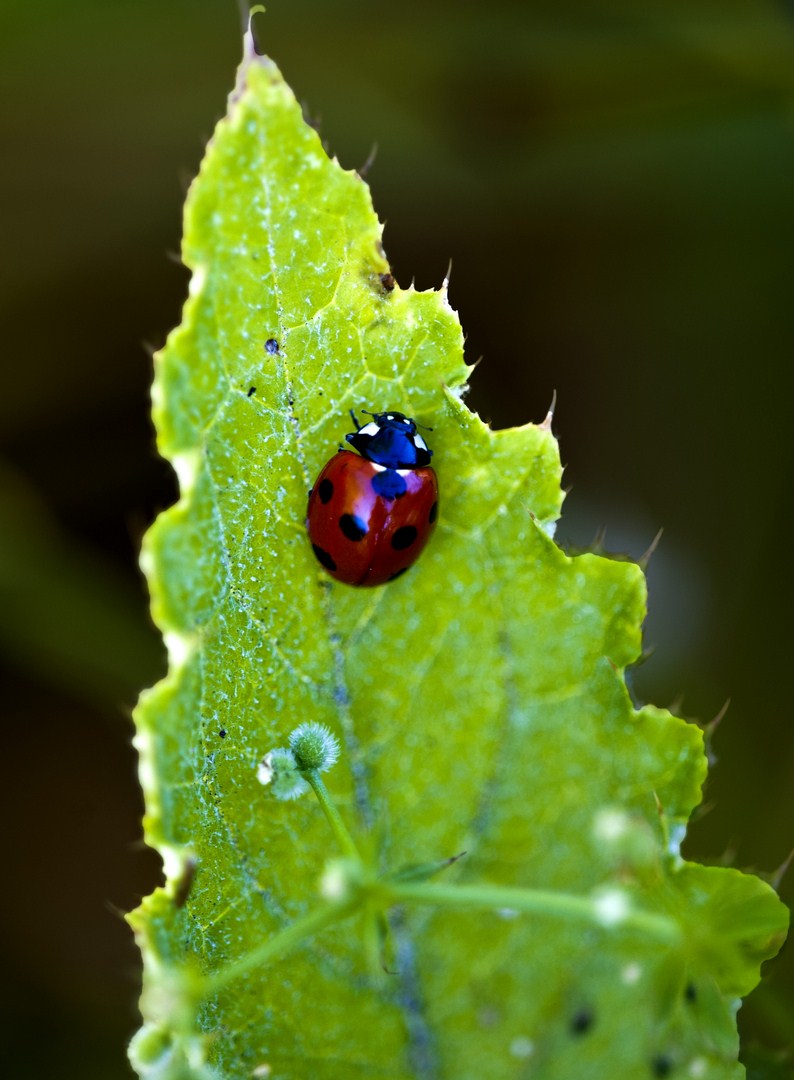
581,1021
662,1065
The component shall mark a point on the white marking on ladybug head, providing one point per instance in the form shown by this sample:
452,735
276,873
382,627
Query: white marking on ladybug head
419,442
369,429
389,416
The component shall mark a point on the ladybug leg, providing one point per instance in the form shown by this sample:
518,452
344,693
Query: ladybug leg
355,421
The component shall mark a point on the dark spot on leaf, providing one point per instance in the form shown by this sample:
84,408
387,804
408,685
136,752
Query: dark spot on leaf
251,390
398,573
325,490
324,558
353,527
271,346
690,993
431,517
389,484
404,537
388,282
581,1021
222,733
662,1065
185,883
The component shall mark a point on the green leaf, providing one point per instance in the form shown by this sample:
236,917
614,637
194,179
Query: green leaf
480,701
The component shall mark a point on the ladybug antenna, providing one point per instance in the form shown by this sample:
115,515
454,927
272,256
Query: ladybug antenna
424,427
355,421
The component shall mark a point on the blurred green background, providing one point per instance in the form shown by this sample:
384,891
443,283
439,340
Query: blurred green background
614,183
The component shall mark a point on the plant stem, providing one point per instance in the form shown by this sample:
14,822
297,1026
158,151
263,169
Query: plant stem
345,840
276,946
309,924
535,902
558,905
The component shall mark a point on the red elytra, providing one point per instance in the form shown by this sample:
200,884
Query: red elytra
361,536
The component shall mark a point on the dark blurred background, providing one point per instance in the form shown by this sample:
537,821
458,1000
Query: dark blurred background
614,183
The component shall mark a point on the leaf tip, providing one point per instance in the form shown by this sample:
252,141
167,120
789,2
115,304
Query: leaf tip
545,424
645,558
250,43
253,54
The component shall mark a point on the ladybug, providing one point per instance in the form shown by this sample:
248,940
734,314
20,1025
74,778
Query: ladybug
371,513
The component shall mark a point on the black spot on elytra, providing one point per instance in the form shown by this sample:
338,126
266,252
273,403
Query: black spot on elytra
353,527
431,517
404,537
690,993
581,1021
251,390
324,558
271,346
662,1065
325,490
222,734
398,573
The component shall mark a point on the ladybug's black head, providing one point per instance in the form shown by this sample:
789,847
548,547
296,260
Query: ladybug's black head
390,439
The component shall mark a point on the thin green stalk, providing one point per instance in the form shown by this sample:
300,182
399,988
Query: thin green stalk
345,840
275,947
613,912
536,902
